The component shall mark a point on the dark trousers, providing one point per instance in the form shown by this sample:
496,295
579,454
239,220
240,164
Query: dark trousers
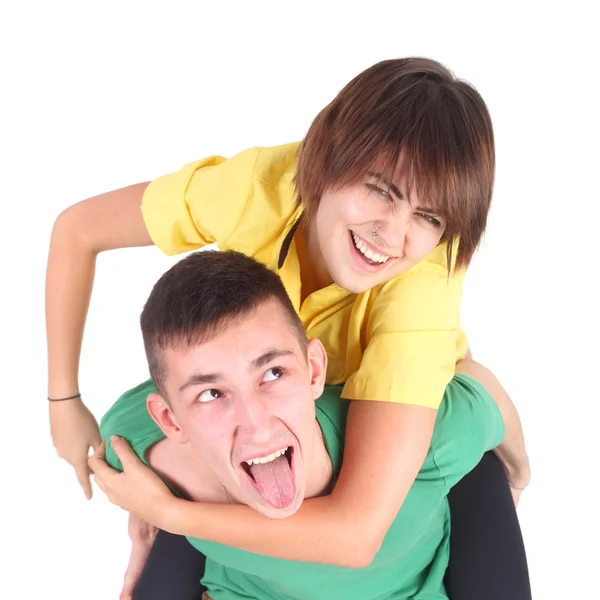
172,572
487,556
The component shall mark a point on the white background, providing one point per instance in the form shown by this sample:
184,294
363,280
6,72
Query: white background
96,96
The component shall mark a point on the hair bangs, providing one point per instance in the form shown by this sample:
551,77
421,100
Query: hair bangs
412,113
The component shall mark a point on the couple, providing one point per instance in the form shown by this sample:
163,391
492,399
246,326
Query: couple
243,416
370,222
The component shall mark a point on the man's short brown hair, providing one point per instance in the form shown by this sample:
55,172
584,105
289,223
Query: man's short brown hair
201,296
413,106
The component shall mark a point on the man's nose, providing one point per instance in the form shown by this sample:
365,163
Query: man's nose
252,414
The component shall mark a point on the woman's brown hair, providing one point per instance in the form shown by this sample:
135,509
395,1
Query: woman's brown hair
413,106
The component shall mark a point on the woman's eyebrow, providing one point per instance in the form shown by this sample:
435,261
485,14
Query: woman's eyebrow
384,179
424,209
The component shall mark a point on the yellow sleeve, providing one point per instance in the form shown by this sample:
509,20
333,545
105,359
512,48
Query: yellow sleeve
411,339
240,203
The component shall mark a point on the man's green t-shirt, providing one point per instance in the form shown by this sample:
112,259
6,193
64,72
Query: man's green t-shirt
414,555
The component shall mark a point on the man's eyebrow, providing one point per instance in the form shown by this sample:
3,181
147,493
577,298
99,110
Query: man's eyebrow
262,360
200,379
268,356
381,177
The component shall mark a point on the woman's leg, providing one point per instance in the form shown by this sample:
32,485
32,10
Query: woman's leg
487,555
173,570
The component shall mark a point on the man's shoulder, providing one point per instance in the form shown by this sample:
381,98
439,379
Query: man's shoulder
128,418
124,410
331,406
331,413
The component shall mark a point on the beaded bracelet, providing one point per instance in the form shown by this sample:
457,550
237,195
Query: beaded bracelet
514,487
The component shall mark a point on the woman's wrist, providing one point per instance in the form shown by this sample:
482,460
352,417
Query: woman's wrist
517,468
518,474
173,515
62,386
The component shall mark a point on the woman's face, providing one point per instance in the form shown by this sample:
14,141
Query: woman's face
347,219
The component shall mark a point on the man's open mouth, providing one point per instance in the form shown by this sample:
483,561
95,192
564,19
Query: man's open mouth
273,477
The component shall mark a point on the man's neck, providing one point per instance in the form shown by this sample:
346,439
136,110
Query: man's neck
319,474
181,467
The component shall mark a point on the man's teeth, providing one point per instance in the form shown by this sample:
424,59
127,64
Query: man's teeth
266,459
374,256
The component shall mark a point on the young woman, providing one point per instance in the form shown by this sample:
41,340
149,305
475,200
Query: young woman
370,222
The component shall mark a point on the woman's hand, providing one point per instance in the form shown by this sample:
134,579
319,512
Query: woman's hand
138,489
74,430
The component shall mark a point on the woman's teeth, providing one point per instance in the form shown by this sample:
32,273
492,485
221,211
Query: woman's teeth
363,249
266,459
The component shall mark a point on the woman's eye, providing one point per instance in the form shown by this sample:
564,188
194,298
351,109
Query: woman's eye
209,395
431,220
380,191
273,374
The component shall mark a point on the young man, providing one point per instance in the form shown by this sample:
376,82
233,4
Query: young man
235,420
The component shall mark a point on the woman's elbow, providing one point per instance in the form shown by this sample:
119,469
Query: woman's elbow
364,555
70,228
361,559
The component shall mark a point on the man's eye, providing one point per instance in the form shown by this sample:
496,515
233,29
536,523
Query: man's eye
209,395
273,374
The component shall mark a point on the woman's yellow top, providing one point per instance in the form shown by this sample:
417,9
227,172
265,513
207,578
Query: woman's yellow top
397,342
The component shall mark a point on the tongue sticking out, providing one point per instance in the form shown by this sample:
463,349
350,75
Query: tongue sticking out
275,482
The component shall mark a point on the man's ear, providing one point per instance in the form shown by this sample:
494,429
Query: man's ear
163,416
317,365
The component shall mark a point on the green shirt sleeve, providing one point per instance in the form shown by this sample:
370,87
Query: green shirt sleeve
129,419
468,424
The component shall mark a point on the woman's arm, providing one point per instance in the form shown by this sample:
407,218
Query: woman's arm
511,451
111,220
385,447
